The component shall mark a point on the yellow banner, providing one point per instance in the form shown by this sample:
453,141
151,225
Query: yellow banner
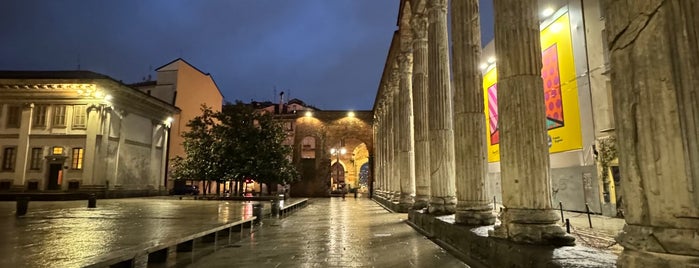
560,93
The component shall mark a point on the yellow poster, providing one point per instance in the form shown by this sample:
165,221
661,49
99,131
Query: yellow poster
560,93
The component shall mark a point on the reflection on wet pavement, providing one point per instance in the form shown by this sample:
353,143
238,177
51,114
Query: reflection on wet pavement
334,233
68,234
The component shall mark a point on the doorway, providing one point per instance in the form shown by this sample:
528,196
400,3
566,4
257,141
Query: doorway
55,176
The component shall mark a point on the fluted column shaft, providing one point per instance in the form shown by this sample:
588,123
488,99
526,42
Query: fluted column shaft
473,206
441,132
419,24
395,119
524,159
654,48
405,125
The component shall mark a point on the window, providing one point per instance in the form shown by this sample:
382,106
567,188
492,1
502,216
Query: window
39,118
79,116
77,162
14,116
57,150
36,159
59,116
8,158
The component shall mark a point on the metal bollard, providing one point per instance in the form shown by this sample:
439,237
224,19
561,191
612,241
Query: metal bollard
92,201
495,203
355,194
275,207
561,205
589,220
22,206
567,226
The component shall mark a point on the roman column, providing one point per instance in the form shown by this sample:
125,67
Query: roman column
405,124
524,160
395,133
473,206
418,25
441,132
655,87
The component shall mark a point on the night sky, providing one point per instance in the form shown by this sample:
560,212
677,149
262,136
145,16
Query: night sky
328,53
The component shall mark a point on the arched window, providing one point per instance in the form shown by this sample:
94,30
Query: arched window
308,147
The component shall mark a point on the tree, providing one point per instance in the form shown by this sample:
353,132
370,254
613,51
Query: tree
235,144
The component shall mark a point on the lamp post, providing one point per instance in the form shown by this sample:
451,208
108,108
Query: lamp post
337,153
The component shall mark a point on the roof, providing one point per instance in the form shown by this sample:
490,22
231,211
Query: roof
195,68
71,75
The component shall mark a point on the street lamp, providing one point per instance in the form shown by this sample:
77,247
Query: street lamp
337,153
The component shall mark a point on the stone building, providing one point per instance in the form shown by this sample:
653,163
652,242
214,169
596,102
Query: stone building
81,131
329,148
183,85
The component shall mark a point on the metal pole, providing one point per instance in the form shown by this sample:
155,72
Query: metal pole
589,220
560,204
567,226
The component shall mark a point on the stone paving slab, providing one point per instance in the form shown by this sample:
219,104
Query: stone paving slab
331,232
68,234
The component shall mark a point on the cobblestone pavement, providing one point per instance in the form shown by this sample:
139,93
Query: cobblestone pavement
331,232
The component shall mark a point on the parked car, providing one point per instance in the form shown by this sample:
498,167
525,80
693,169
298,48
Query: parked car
185,189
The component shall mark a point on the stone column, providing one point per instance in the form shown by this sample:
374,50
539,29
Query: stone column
655,85
395,132
473,206
441,132
405,124
418,24
526,186
90,153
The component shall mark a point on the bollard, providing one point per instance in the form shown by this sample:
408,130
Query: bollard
589,220
495,203
355,194
257,211
561,205
22,206
567,226
92,201
275,207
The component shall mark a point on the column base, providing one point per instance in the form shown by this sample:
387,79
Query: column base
406,202
474,215
647,246
421,201
442,205
532,226
395,197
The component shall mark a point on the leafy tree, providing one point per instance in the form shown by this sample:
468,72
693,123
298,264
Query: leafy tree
235,144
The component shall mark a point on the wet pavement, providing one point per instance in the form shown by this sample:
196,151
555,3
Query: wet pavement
331,232
68,234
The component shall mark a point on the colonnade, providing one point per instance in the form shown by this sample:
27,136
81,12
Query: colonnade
430,137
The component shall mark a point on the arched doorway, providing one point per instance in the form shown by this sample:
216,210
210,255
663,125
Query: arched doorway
337,177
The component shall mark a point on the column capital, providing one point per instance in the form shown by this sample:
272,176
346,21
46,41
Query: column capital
418,24
405,60
437,5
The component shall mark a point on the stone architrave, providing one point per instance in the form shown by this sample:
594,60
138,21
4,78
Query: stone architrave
524,160
405,124
441,132
473,206
418,25
655,87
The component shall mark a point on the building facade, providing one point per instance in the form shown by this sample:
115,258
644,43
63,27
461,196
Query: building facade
81,131
183,85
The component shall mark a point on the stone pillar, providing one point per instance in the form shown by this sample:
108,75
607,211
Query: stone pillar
441,132
419,24
655,80
473,206
395,132
405,126
526,186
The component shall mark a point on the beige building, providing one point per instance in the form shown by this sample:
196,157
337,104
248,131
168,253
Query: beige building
188,88
81,131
